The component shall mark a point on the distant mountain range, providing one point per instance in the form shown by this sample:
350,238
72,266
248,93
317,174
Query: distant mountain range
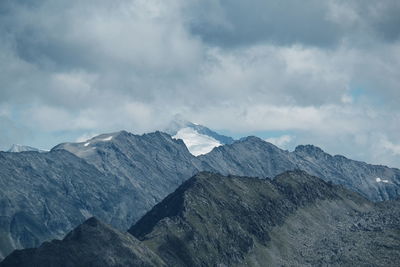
118,177
211,220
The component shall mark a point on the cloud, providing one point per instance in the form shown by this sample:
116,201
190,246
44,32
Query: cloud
281,141
391,147
70,68
312,23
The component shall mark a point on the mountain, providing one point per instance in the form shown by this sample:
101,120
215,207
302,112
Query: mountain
198,139
212,220
252,156
91,244
116,177
44,195
20,148
294,220
153,164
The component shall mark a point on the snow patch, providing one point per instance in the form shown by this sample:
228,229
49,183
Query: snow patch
379,180
21,148
107,138
197,144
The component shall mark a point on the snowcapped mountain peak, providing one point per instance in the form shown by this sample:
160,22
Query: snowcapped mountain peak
15,148
197,138
198,144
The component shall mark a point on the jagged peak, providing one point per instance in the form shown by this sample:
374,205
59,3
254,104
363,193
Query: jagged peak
290,183
88,226
309,149
251,138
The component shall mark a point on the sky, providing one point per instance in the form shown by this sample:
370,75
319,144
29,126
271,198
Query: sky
292,72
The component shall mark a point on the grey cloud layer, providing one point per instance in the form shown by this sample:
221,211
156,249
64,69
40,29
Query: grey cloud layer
311,22
321,70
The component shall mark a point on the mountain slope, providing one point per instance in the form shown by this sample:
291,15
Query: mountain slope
43,195
117,178
294,220
212,220
253,156
250,156
153,164
91,244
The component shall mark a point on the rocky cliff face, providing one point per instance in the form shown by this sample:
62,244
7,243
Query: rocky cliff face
91,244
155,164
117,178
213,220
294,220
43,195
253,156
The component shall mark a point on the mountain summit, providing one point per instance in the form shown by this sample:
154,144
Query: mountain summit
198,138
294,220
15,148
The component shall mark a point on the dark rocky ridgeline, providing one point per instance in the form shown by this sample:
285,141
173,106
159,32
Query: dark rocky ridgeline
117,179
294,220
90,244
212,220
252,156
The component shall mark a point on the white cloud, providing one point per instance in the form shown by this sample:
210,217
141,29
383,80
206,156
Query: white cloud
86,136
99,66
391,147
281,141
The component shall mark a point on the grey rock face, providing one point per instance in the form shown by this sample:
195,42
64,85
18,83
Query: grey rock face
253,156
153,164
44,195
294,220
116,178
91,244
249,156
212,220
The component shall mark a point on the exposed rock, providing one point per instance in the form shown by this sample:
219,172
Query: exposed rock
294,220
90,244
212,220
253,156
45,195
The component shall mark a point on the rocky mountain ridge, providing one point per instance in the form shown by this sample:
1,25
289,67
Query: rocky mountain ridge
92,243
212,220
252,156
138,171
117,178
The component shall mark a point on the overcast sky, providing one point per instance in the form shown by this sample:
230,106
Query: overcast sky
295,72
